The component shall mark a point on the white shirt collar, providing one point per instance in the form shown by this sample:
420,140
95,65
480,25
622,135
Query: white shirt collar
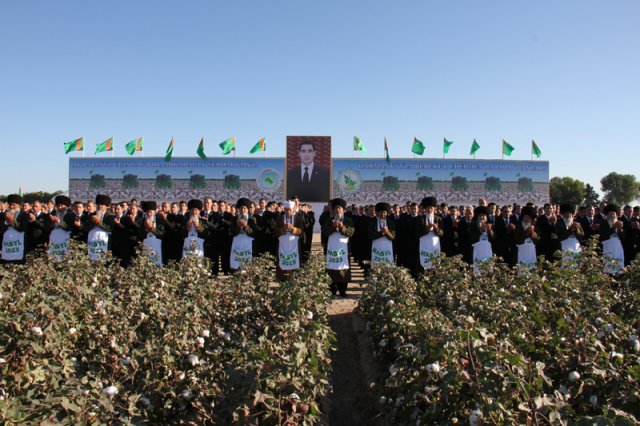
310,170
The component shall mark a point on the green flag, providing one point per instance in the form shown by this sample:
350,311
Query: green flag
133,146
200,150
261,145
446,145
417,147
474,147
105,146
76,145
167,156
386,151
535,150
228,145
506,148
358,145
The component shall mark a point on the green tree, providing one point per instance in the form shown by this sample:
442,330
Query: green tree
591,197
566,190
618,188
30,197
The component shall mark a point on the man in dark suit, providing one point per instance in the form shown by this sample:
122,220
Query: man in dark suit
309,181
504,244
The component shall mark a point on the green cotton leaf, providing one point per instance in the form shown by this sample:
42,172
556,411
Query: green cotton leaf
513,359
69,406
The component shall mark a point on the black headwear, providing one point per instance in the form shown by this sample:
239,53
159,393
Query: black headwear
338,202
63,199
194,204
383,207
14,198
105,200
243,202
148,205
429,202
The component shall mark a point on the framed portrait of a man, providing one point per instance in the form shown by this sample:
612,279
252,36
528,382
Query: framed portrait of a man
309,168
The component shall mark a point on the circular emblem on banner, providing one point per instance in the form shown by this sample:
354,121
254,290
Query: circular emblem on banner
349,180
268,179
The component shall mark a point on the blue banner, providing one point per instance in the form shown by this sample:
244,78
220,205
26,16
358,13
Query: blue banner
453,181
178,179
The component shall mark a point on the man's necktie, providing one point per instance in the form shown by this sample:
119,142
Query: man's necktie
305,177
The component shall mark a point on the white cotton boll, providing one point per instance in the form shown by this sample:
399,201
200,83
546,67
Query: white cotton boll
145,402
205,333
181,376
294,396
632,338
110,390
593,400
399,401
72,331
115,293
609,328
574,376
390,302
393,370
187,394
475,418
613,355
442,373
636,345
37,331
382,400
193,360
3,361
226,337
309,315
142,316
200,342
433,368
221,333
382,343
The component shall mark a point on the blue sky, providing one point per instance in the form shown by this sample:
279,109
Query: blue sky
566,74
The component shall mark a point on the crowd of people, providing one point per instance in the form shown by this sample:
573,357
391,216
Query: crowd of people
218,222
505,227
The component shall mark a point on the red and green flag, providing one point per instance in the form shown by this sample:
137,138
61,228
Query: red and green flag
506,148
417,147
228,145
386,152
134,146
167,156
200,150
535,150
261,146
75,145
358,145
105,146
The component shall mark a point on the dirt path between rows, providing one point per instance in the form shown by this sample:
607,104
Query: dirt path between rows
353,367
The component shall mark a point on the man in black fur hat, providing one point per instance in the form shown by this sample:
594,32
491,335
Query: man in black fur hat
342,225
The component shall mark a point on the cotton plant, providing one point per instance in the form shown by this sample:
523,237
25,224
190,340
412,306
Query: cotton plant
506,349
90,342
